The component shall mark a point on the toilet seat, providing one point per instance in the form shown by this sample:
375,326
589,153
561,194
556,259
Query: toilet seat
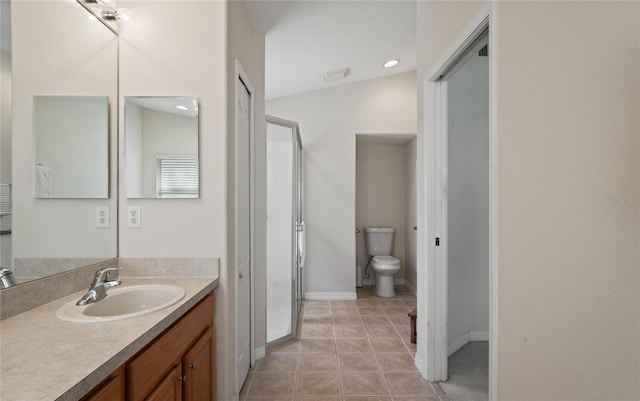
386,260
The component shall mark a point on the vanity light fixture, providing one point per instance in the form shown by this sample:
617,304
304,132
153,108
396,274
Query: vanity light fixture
391,63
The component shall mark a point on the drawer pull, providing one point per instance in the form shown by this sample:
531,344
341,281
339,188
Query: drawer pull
193,365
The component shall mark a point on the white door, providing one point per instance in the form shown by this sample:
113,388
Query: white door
243,229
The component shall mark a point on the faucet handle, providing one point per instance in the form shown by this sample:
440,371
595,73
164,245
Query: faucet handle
104,275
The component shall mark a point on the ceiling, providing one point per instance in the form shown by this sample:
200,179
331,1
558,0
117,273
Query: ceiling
306,38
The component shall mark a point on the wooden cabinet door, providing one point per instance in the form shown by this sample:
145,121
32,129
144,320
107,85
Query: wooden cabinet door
111,389
198,368
170,388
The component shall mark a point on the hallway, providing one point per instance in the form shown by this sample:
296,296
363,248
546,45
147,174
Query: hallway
348,351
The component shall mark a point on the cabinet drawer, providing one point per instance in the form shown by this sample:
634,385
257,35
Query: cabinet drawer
146,370
111,389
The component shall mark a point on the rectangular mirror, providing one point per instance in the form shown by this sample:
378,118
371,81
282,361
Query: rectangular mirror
71,147
161,147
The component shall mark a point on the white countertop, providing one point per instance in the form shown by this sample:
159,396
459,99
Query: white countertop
44,358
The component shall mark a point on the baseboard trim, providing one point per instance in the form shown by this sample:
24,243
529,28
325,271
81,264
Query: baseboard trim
411,287
324,296
467,338
260,352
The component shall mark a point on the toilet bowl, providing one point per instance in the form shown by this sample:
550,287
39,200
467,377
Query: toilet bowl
385,268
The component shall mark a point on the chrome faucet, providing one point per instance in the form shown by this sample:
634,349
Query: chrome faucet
103,280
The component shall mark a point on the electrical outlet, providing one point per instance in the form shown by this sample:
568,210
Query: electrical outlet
102,216
133,220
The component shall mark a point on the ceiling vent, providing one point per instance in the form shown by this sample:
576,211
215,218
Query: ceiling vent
335,75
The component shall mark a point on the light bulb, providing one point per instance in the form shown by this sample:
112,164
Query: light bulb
124,15
107,3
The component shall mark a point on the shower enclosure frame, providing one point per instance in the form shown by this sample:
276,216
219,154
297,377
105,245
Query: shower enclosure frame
297,230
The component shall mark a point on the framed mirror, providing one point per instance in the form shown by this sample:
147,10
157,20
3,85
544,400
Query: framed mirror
161,147
56,50
71,138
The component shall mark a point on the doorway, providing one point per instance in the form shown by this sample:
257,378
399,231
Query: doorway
285,230
467,226
433,348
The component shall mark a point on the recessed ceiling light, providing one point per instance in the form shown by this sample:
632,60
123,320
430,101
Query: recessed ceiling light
391,63
181,108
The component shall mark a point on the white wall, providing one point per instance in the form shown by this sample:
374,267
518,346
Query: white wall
5,127
380,195
569,217
411,218
468,200
133,150
79,51
329,120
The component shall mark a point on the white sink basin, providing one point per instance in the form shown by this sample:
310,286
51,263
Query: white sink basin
123,303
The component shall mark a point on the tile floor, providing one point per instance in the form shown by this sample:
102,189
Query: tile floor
346,351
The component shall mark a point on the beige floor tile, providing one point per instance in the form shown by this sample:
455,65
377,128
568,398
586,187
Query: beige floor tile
348,331
293,346
319,398
317,345
370,310
318,383
268,398
317,330
404,332
363,384
396,310
398,320
344,311
416,398
317,319
388,302
318,361
278,361
316,304
410,303
367,302
357,362
347,344
367,320
272,383
396,362
365,398
412,347
343,303
407,383
381,331
317,311
346,319
387,344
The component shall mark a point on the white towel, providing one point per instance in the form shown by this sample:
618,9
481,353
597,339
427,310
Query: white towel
42,182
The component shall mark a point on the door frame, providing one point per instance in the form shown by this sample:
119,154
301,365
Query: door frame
432,356
241,75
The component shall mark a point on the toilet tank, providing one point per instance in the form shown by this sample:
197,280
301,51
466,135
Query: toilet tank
379,240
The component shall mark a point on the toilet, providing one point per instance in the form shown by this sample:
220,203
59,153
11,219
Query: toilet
379,244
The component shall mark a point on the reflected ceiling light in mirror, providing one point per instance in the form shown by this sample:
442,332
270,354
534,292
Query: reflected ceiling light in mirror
391,63
120,15
182,108
107,3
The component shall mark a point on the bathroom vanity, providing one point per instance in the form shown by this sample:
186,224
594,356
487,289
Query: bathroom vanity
168,354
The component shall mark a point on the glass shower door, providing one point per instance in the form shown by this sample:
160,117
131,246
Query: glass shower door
285,230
